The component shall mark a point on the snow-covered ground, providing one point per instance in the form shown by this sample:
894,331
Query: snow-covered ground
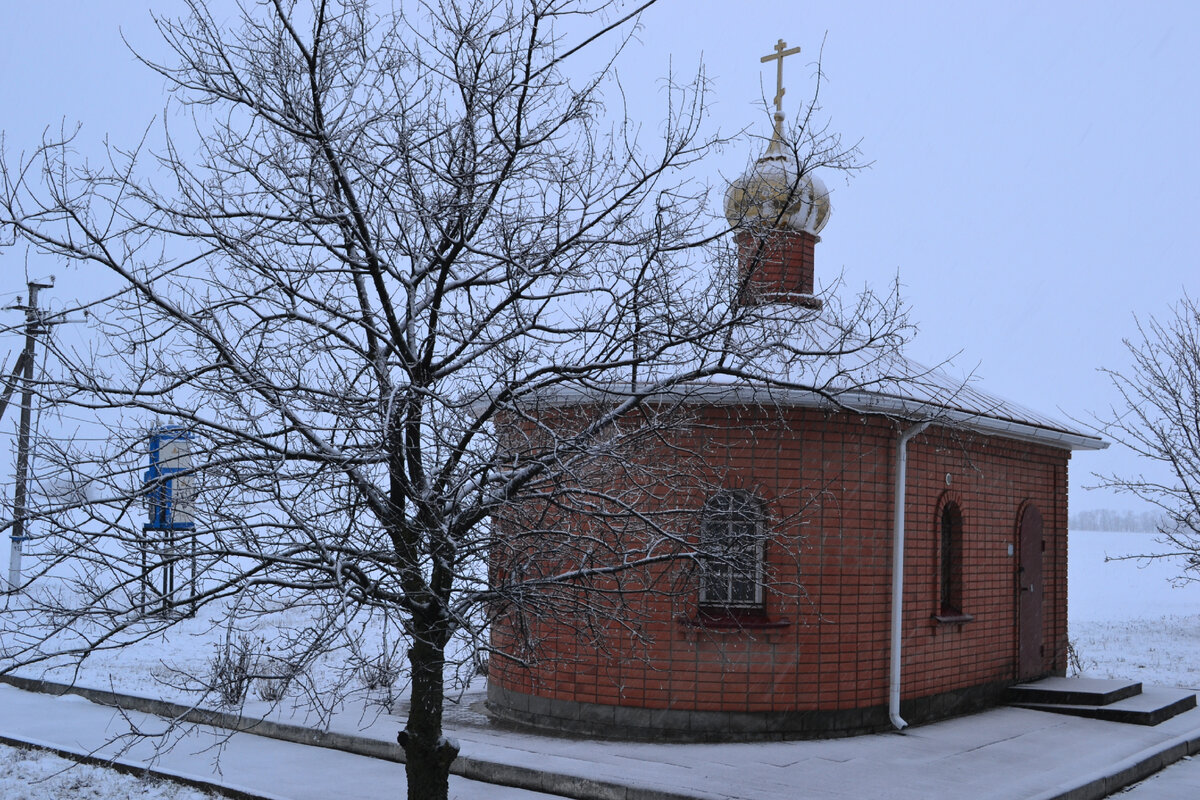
1131,618
1128,619
38,775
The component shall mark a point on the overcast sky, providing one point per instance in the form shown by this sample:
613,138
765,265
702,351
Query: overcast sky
1035,171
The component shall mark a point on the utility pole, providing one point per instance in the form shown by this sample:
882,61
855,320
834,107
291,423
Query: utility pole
33,327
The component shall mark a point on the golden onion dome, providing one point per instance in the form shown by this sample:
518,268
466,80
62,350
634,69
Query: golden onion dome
774,192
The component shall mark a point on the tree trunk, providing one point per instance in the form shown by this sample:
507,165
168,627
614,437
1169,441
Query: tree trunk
428,753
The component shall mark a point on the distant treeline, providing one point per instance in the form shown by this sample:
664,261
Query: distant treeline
1105,519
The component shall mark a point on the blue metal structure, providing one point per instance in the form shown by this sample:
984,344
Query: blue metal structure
163,530
160,483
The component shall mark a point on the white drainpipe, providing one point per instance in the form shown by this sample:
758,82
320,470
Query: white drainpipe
898,574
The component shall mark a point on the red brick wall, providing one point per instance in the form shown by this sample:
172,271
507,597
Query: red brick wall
779,263
827,481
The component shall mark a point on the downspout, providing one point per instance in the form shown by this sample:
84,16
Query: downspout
898,574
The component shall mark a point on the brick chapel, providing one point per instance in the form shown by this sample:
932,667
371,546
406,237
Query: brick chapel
900,557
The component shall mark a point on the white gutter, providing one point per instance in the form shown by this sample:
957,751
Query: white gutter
898,573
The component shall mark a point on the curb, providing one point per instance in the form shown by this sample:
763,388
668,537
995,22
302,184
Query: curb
476,769
1128,771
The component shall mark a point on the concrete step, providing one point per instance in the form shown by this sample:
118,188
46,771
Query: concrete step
1073,691
1150,707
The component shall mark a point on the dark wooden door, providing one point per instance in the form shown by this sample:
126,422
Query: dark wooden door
1030,594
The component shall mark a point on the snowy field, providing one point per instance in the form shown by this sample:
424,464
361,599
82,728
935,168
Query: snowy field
1131,618
1128,619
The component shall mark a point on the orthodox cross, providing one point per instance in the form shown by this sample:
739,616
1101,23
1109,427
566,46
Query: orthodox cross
778,56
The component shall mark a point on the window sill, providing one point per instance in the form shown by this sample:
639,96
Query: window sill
951,619
732,619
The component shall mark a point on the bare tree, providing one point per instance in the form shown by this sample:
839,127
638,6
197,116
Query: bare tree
1159,420
391,242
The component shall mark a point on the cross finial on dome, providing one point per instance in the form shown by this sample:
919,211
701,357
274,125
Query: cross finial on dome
780,53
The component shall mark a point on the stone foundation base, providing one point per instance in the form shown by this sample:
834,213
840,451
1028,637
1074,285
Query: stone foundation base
685,725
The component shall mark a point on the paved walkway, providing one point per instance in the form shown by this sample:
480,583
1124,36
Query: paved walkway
1002,754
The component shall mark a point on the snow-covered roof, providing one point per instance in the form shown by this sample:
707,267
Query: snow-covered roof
932,395
968,406
816,361
823,359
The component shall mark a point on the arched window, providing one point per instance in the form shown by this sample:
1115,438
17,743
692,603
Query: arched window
950,547
731,548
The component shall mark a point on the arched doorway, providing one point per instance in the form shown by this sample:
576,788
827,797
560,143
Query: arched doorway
1030,592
